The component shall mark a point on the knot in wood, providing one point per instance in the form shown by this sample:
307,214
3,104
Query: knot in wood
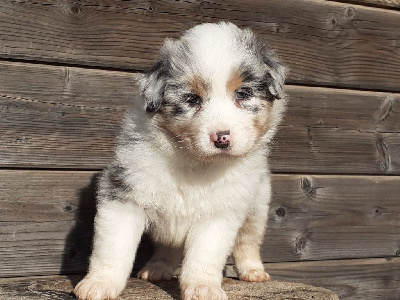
333,23
68,208
281,212
75,9
349,13
306,186
301,243
386,108
150,8
380,210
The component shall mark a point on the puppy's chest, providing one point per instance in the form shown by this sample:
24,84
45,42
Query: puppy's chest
173,209
194,195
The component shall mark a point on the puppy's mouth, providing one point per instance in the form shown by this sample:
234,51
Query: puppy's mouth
225,150
215,151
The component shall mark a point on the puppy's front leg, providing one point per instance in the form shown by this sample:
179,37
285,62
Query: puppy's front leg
118,229
246,251
207,247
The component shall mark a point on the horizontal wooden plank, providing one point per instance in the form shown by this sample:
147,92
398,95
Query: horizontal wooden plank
366,279
46,220
51,116
39,215
64,117
331,150
59,287
375,3
329,43
333,217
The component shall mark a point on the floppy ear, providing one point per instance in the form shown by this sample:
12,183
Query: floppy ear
152,85
277,73
174,55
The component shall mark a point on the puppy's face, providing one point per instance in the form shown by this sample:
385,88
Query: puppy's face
216,91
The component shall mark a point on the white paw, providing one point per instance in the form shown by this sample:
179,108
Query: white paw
203,292
98,288
156,271
255,275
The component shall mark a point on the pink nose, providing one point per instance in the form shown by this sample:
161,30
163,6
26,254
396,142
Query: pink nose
221,139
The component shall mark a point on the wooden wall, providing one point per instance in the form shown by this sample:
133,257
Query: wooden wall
67,71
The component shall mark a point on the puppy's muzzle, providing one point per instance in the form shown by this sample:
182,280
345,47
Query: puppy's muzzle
221,139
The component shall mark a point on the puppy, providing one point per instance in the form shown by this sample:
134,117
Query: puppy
191,166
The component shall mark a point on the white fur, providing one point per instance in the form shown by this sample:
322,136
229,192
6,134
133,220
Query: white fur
196,201
118,229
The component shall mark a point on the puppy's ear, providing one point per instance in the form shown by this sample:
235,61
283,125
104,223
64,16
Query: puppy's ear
277,73
275,70
152,85
174,58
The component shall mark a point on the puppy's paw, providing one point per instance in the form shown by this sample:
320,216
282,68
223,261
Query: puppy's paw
98,288
156,271
203,292
255,275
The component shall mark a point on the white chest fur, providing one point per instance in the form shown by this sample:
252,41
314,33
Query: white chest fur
175,197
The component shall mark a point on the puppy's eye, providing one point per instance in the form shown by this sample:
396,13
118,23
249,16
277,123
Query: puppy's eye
243,93
193,99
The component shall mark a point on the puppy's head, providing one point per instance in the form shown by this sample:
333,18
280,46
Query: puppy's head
216,91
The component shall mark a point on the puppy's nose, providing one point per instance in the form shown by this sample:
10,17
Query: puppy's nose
221,139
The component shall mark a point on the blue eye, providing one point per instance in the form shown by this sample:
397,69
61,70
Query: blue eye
193,99
243,94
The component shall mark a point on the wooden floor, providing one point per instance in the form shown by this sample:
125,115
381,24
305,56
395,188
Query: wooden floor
67,71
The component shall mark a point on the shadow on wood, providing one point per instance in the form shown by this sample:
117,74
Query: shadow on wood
79,240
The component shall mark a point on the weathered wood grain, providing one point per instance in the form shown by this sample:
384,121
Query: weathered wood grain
59,287
60,112
328,43
366,279
331,150
65,117
325,217
46,220
374,3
